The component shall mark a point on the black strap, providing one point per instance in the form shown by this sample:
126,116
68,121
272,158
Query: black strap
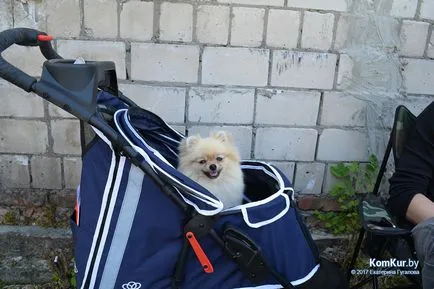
247,254
178,276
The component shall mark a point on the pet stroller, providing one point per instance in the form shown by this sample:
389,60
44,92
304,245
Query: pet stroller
139,223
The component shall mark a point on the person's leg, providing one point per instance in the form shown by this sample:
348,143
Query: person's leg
423,235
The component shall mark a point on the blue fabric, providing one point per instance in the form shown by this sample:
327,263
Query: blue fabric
151,128
115,215
157,230
95,170
106,99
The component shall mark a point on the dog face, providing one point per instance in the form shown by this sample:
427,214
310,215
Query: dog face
208,157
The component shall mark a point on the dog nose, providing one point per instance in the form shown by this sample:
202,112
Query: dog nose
213,167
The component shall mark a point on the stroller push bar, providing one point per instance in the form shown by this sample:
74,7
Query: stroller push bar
23,37
71,87
67,86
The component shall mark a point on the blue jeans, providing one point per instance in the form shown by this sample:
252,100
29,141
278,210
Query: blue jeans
423,235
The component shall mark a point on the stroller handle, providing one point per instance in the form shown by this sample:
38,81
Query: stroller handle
23,37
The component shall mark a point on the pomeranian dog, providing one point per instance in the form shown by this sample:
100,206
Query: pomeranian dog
214,163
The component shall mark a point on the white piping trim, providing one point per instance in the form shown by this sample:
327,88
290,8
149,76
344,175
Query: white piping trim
269,221
269,198
133,130
172,151
202,197
169,138
268,286
122,231
217,204
195,206
281,192
175,131
113,199
247,199
172,129
103,205
307,277
259,169
156,153
294,283
276,175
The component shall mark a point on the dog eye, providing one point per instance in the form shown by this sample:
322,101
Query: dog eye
219,159
202,162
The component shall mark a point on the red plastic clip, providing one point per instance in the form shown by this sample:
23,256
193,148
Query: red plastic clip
200,254
77,213
42,37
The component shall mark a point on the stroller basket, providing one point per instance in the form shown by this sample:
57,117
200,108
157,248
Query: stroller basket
140,223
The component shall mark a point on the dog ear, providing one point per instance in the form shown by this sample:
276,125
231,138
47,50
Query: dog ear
189,142
222,136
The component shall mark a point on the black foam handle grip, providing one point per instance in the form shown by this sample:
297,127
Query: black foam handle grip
24,37
48,51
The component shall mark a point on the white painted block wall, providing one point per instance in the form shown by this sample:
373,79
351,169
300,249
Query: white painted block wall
291,79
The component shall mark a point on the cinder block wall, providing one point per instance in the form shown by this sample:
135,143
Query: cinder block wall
300,83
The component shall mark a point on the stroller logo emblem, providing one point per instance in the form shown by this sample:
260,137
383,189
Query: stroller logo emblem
131,285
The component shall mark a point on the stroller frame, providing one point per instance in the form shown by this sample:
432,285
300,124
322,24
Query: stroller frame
71,90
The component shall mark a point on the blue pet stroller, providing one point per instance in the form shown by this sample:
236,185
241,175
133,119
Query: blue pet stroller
139,223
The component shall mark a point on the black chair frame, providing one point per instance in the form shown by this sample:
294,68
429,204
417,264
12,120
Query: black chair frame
381,237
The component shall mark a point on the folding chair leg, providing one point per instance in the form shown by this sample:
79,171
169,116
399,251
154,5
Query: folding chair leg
362,283
375,282
355,253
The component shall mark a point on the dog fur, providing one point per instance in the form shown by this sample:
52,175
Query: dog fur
214,163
